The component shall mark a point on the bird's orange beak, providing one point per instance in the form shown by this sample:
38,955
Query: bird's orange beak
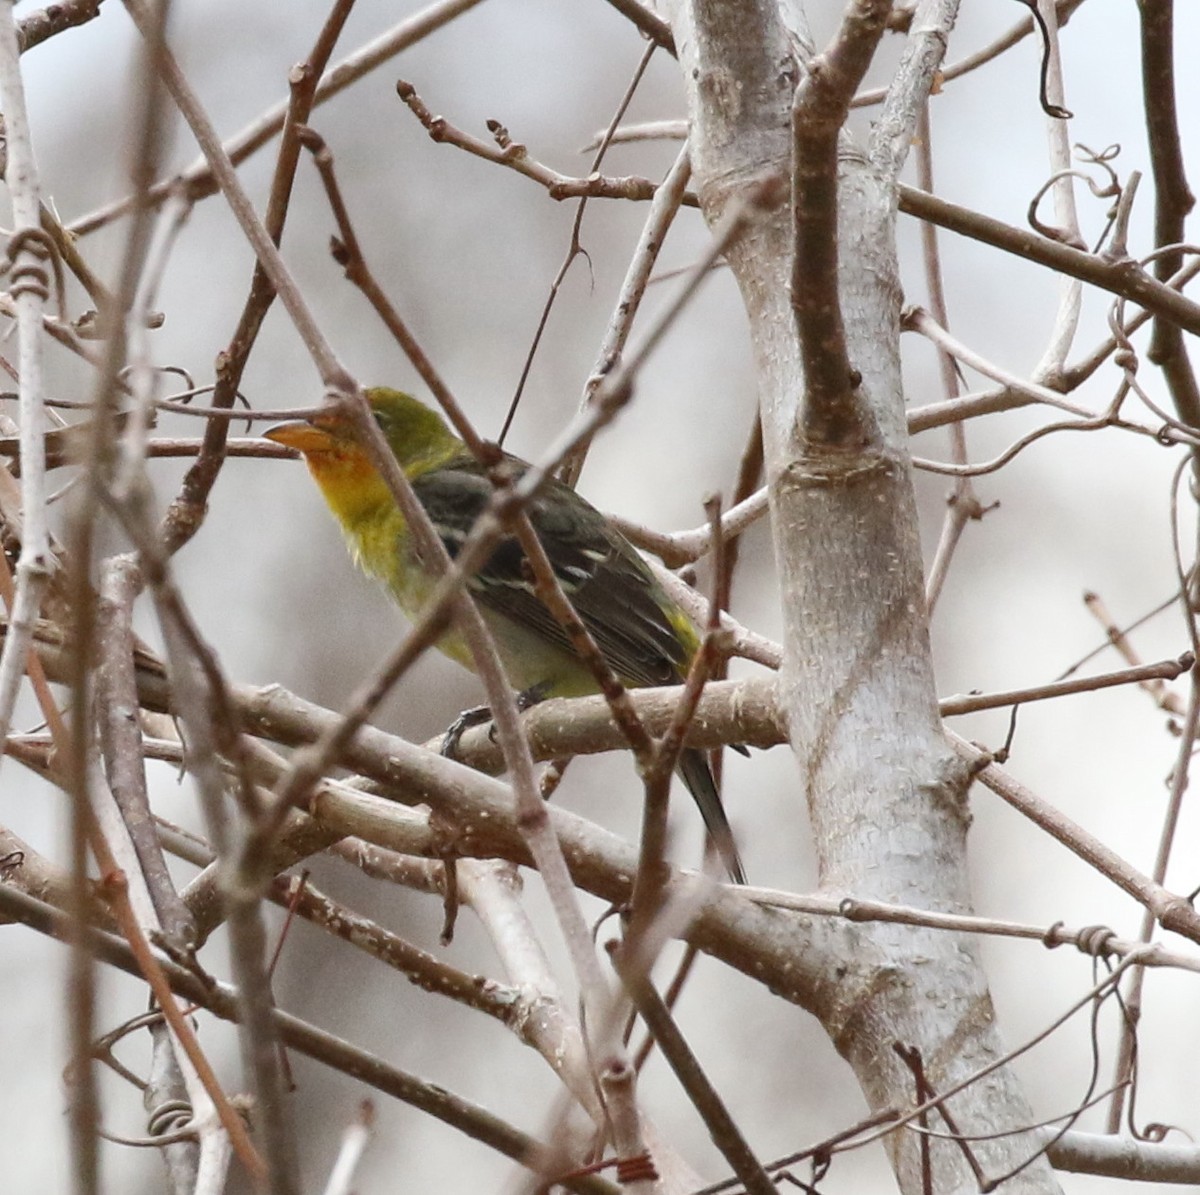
301,435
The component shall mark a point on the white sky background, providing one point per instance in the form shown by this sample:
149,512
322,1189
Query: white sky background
468,251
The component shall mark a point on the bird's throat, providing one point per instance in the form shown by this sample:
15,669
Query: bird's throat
350,483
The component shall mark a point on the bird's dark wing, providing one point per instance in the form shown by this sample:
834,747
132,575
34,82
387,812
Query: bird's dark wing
609,584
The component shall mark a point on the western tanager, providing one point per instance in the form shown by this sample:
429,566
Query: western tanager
644,635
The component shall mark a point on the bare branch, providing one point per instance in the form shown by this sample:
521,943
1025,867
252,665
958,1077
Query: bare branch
220,1000
331,371
46,23
186,512
1173,198
648,23
1170,911
28,253
972,62
833,414
506,152
663,209
910,88
704,1097
200,180
1124,278
1122,1157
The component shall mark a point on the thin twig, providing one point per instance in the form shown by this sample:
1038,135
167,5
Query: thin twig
1141,674
1170,911
1099,990
972,62
651,874
516,157
1120,278
1165,436
355,1139
332,372
933,327
213,732
1163,697
199,179
1095,941
115,892
575,247
663,209
187,510
1180,779
1058,136
348,253
722,1127
962,504
678,548
219,999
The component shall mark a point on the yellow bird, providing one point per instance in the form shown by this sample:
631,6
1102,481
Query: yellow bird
643,634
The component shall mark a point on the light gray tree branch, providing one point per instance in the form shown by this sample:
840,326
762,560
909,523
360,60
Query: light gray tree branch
885,797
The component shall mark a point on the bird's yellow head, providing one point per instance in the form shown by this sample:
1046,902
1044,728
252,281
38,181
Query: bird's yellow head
339,463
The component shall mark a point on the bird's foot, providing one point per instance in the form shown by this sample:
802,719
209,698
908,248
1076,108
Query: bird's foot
476,716
479,714
528,698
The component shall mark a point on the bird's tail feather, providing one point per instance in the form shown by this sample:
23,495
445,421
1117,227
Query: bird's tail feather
694,771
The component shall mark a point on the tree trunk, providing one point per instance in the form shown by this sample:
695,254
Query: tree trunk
886,798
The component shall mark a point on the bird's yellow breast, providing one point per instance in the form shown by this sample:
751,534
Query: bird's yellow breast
377,533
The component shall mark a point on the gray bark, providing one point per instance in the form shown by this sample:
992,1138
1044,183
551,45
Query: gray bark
885,796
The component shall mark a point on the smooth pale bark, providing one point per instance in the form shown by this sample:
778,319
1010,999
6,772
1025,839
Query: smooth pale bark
886,798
